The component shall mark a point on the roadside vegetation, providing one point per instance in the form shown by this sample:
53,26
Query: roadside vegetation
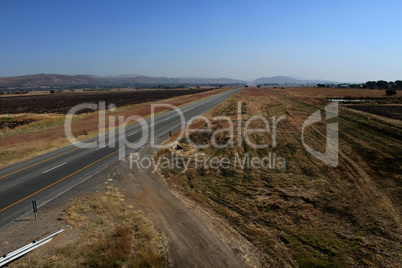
309,214
111,233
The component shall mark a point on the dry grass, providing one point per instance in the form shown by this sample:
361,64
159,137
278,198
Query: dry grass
110,233
318,215
320,95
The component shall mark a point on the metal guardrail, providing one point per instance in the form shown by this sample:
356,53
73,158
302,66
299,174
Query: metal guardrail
25,249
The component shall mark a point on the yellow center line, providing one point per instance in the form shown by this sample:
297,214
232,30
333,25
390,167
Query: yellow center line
50,185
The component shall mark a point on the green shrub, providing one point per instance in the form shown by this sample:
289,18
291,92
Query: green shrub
390,92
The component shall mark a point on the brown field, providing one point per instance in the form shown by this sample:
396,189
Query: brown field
62,103
47,132
315,95
332,92
309,214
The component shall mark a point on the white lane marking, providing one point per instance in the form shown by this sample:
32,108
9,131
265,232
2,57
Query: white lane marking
132,134
104,146
54,167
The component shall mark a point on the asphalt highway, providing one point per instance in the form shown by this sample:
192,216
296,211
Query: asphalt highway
47,176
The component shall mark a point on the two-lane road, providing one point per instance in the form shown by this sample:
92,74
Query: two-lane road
47,176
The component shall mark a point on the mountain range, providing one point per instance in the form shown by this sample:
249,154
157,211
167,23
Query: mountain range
58,80
287,80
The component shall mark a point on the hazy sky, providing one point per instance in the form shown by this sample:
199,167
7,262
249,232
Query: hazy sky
336,40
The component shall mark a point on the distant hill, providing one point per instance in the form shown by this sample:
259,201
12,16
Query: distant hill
46,81
178,80
286,80
38,81
41,80
123,76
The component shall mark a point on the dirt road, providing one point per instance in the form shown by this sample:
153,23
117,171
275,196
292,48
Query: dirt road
189,243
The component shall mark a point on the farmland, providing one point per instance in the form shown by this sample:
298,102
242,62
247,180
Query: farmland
62,103
309,214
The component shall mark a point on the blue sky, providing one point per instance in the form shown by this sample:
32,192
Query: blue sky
334,40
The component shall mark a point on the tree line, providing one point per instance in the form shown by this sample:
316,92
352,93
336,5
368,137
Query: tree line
390,87
381,84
